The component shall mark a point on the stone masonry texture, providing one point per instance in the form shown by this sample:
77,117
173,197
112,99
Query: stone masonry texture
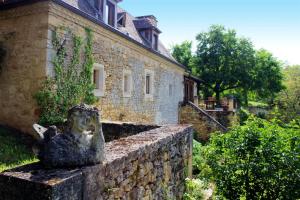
202,124
149,165
23,33
26,33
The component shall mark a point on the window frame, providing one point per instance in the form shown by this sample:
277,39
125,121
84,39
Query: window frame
149,73
128,73
107,13
100,92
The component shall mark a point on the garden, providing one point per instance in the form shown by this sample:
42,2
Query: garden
259,157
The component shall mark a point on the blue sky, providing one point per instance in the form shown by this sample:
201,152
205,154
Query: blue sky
270,24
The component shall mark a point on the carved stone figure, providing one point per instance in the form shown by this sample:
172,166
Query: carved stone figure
82,142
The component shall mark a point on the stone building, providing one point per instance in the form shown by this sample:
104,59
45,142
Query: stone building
136,77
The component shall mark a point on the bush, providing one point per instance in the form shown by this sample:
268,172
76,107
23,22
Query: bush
197,158
199,165
243,115
259,160
194,189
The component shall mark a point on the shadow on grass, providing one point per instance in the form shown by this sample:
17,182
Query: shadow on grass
14,150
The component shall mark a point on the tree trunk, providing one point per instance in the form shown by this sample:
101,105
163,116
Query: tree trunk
218,98
246,97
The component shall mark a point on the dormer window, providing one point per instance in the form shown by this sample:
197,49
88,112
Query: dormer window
121,19
147,27
110,13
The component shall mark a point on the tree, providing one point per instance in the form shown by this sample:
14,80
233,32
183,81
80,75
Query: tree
267,76
288,100
224,61
183,53
257,161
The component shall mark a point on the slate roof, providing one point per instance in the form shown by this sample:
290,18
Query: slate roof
132,24
131,30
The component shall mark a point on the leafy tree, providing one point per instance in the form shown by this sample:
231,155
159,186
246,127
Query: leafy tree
224,61
288,100
267,77
259,160
183,53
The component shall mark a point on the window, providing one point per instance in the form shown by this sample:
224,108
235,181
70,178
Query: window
148,81
127,83
110,13
99,79
121,19
149,84
170,90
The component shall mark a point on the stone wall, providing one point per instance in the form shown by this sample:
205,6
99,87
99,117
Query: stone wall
116,130
226,118
23,33
149,165
202,122
26,32
118,54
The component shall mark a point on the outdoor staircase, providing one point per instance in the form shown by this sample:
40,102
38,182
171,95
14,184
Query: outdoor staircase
204,124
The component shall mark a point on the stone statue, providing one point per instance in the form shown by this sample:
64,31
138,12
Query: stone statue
82,142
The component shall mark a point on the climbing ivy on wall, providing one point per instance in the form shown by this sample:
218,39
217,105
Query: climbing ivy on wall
71,84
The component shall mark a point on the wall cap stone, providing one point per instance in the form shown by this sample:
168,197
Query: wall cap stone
34,182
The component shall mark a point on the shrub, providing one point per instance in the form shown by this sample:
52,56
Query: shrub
259,160
199,165
197,158
243,115
194,189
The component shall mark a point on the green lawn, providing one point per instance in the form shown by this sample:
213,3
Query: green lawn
13,152
258,104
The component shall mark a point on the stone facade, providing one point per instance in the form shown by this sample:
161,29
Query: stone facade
149,165
23,33
29,30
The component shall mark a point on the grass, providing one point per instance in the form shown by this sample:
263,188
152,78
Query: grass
13,152
258,104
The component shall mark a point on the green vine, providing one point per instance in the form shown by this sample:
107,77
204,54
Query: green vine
72,81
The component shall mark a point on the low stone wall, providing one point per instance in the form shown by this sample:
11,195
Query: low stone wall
259,111
149,165
202,122
226,118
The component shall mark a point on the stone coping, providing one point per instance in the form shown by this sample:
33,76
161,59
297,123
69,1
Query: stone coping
116,152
